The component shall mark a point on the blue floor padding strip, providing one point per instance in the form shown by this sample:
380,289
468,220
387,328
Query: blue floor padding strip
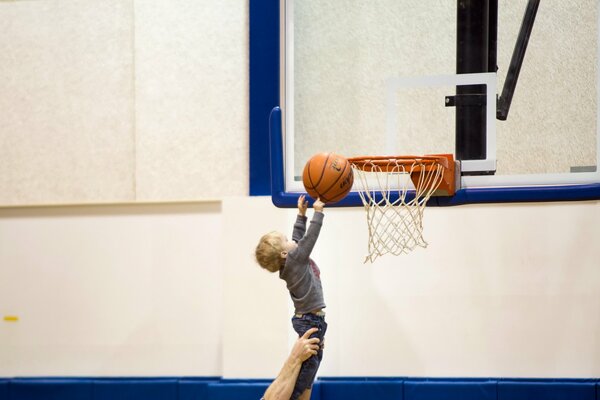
50,389
135,389
351,390
425,390
547,390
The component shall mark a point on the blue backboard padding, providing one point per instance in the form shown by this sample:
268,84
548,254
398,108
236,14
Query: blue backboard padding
450,390
236,391
350,390
520,194
135,389
284,199
546,390
263,90
50,389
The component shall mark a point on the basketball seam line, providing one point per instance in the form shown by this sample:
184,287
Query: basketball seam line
309,176
336,181
322,170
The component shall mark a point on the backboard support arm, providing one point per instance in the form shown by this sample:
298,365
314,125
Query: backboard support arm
516,61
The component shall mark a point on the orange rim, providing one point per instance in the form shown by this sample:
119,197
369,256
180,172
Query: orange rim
417,164
387,163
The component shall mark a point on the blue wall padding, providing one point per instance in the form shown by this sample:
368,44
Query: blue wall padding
194,389
546,390
451,390
349,390
242,389
316,391
236,391
135,389
50,389
3,389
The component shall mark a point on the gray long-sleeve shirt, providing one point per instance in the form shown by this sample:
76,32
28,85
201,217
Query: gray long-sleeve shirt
300,272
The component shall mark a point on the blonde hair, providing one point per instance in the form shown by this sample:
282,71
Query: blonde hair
268,251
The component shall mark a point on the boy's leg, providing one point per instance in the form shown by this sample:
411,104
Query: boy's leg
309,368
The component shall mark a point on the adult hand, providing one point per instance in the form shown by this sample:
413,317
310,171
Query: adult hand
281,388
305,346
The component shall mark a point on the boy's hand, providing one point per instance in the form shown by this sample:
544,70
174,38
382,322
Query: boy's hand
302,205
318,205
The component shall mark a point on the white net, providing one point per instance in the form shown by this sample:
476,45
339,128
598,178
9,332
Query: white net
395,203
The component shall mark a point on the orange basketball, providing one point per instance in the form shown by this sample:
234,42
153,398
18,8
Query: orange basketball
328,176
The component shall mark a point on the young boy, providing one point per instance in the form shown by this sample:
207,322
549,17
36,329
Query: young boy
291,259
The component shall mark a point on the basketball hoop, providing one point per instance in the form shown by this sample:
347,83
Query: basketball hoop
395,207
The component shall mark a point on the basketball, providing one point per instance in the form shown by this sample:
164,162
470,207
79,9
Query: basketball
328,176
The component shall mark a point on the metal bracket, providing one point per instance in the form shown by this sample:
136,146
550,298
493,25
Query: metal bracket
466,100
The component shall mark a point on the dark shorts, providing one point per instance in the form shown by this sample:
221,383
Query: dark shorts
309,368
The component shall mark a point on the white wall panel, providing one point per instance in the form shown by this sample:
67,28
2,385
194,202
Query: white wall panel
507,290
191,99
66,95
255,305
116,290
174,290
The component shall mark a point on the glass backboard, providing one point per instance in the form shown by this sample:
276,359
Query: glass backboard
390,78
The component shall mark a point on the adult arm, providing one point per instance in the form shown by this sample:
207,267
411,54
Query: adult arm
283,386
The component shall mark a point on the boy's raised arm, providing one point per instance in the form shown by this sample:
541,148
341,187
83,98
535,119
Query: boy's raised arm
300,224
306,244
